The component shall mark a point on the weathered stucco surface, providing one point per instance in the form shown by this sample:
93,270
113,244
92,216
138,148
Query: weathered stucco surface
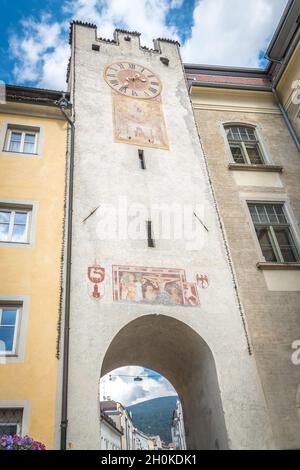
271,298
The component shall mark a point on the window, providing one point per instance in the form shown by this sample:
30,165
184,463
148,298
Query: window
244,145
22,140
9,321
14,224
274,233
11,420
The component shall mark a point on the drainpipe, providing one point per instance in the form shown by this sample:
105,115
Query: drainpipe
287,120
63,103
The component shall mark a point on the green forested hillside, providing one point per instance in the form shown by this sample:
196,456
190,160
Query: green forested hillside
154,416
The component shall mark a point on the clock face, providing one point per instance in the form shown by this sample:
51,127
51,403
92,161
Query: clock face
132,80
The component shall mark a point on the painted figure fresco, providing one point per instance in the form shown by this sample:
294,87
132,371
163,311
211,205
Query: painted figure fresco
139,122
153,286
96,275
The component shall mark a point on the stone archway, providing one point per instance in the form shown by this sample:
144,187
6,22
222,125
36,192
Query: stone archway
178,353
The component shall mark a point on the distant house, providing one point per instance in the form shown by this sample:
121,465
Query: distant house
123,421
140,440
111,435
177,429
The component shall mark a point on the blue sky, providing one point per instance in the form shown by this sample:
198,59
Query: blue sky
34,35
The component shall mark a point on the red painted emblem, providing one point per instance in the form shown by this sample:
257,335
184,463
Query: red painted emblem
96,275
202,281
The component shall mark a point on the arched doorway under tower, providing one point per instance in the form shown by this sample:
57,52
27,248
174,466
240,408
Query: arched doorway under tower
177,352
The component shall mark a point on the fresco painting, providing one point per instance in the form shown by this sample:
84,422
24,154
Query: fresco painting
153,286
139,122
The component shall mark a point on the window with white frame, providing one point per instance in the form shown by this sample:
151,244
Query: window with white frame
22,140
9,327
14,224
11,421
274,232
244,145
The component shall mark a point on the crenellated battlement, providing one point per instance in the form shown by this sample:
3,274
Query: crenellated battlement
122,36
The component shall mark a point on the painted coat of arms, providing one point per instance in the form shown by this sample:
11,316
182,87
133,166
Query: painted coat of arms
96,276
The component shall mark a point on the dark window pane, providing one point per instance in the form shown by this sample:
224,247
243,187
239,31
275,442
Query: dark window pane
6,338
235,133
229,133
263,218
9,429
14,146
265,243
20,218
16,136
28,147
4,228
19,233
30,138
251,133
253,213
280,214
5,217
254,154
8,317
271,215
237,153
286,244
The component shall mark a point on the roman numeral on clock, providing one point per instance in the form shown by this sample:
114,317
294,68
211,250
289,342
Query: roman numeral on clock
114,82
132,66
121,66
152,90
134,93
154,83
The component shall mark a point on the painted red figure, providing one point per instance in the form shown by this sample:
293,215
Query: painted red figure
96,275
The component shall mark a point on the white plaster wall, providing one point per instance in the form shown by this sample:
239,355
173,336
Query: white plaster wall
103,171
110,439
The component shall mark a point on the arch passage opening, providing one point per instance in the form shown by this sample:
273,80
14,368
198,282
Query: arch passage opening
145,406
179,354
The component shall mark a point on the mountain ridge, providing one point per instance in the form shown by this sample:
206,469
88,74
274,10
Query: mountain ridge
154,416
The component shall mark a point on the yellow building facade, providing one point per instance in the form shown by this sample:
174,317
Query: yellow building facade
33,139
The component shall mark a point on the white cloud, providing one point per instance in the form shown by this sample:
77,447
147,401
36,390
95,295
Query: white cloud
224,32
176,3
128,392
232,32
41,53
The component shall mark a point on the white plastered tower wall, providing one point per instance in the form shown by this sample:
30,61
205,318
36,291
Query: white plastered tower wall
106,170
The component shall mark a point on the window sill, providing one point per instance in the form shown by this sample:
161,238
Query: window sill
247,167
23,154
264,266
15,244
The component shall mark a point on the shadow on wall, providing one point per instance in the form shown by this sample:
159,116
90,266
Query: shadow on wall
177,352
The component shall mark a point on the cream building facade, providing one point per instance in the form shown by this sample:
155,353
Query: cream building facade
33,146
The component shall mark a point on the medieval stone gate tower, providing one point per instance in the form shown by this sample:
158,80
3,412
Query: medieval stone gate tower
139,296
